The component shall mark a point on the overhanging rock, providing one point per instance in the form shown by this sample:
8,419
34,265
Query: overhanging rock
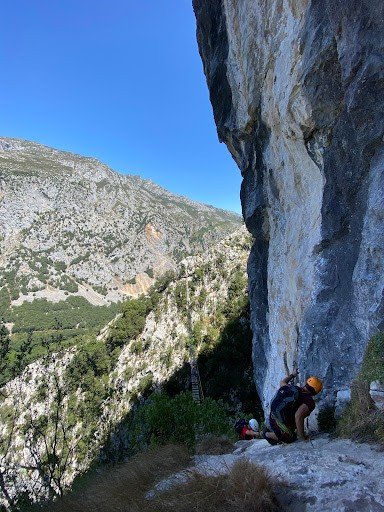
297,96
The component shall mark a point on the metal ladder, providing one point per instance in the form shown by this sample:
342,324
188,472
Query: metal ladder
197,390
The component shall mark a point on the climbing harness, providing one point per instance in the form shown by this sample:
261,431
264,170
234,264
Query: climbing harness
309,437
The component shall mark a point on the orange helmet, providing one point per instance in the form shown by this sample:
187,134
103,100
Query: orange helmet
314,384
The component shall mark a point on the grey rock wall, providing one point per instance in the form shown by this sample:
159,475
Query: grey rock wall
297,93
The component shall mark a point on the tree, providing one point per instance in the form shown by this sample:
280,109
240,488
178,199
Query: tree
5,343
24,352
131,323
5,454
50,443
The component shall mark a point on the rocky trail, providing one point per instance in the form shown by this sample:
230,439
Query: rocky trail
321,475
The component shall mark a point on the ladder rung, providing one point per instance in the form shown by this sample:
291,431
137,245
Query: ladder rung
197,392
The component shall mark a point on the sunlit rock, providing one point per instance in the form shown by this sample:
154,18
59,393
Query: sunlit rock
296,90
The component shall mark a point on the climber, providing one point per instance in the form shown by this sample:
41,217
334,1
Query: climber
250,430
289,407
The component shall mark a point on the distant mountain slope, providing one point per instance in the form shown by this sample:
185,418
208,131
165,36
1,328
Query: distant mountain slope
70,224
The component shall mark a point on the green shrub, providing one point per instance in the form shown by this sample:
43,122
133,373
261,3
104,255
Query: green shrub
361,420
178,420
90,362
128,373
229,345
5,343
181,296
60,266
136,347
166,358
88,371
372,367
202,297
5,303
15,293
198,275
102,289
145,385
68,284
81,258
131,323
326,419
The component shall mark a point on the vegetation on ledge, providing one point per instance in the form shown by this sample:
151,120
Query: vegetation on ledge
245,487
361,420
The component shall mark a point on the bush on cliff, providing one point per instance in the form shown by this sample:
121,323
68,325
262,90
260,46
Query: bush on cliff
361,420
131,323
179,420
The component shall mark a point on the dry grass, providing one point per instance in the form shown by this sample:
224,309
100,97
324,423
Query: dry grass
122,488
245,487
214,445
361,421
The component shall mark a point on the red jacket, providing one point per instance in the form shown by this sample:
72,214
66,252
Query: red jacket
244,435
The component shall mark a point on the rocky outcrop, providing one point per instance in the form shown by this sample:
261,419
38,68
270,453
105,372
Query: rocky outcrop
296,89
324,474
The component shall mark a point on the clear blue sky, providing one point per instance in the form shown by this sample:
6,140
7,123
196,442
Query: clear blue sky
120,80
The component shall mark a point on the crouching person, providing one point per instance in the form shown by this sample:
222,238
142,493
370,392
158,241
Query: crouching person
289,407
248,430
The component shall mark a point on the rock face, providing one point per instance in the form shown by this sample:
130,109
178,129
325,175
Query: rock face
325,474
296,89
70,223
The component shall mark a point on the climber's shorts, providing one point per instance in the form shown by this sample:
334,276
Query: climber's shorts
283,433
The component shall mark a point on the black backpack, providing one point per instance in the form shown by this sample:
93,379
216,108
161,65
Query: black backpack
283,403
240,424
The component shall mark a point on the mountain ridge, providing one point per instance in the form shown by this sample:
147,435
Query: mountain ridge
72,225
6,144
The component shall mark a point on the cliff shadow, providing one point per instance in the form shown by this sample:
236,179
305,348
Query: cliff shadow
226,374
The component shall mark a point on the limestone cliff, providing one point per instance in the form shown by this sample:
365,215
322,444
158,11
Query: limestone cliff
296,89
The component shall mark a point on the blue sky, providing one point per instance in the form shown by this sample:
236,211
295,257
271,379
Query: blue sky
120,80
